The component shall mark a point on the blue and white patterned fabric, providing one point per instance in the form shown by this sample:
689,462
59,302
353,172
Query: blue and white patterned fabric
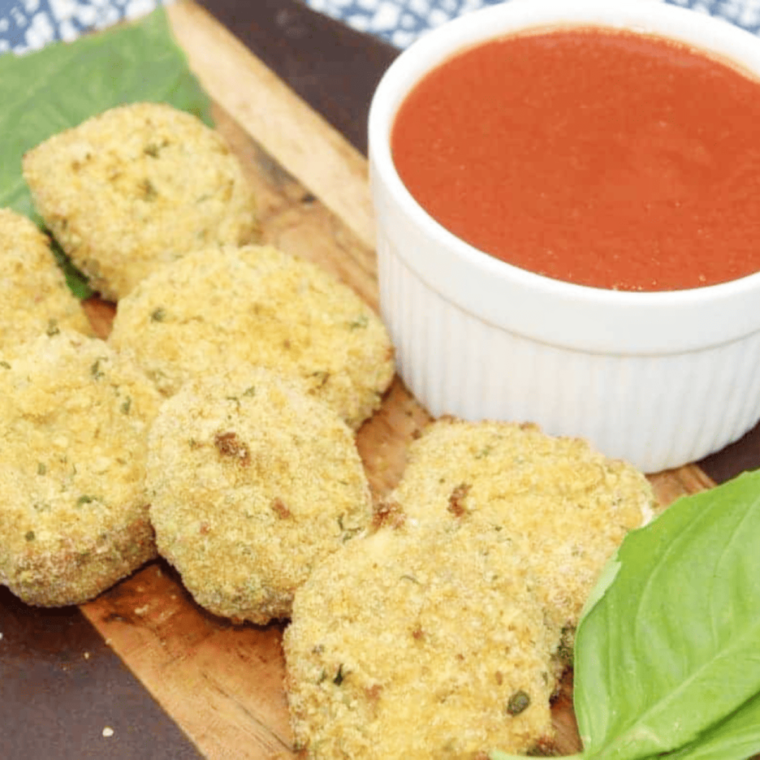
31,24
400,22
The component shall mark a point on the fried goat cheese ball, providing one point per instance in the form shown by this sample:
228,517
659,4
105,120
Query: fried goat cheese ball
74,419
135,187
34,298
258,305
420,641
562,507
252,483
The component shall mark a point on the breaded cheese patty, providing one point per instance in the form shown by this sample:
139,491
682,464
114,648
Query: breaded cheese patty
562,506
419,642
135,187
34,298
252,483
74,419
258,305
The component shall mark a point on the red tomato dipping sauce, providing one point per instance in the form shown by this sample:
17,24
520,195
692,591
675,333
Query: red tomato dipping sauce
603,158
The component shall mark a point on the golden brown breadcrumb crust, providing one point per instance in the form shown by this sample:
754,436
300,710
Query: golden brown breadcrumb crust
562,506
258,305
419,641
74,418
34,298
252,483
431,628
135,187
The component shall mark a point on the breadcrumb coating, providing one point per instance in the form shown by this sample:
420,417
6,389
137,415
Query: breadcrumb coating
74,419
252,483
34,297
135,187
258,305
562,506
419,641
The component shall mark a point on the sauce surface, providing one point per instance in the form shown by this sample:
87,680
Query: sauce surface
603,158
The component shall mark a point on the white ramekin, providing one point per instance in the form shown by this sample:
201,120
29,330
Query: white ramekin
659,379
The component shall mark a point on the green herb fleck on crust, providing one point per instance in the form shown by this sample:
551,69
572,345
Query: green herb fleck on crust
148,190
518,702
359,323
340,676
96,370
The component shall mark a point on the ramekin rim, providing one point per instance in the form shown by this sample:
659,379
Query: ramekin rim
443,42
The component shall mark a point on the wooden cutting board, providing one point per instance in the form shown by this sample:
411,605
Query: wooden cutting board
222,683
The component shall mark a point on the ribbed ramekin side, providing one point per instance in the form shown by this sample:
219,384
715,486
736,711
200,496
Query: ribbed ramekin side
654,411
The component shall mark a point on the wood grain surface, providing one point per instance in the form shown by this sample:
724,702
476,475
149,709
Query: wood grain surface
221,684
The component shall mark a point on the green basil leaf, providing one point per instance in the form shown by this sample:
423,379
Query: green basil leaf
672,648
60,86
735,738
76,281
499,755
